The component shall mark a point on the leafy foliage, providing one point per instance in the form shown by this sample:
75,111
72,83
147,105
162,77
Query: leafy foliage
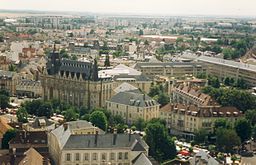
11,133
99,119
22,115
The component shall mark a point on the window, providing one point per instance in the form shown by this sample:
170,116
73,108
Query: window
86,156
77,156
103,156
126,155
94,156
112,156
120,155
68,157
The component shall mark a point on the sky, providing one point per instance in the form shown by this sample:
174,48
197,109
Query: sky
158,7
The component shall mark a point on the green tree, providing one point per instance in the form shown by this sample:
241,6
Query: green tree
201,136
99,119
9,135
22,115
161,147
222,123
45,109
71,115
141,32
163,99
228,53
140,124
214,81
227,139
243,129
12,68
4,101
83,111
250,115
107,61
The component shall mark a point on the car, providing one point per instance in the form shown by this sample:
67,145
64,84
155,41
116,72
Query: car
246,153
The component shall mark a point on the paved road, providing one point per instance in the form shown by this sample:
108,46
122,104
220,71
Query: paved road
248,160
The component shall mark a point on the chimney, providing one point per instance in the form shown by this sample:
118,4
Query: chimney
114,137
96,138
65,126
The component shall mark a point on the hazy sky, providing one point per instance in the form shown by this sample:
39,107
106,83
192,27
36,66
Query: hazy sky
163,7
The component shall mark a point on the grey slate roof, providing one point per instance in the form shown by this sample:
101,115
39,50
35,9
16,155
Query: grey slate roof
105,141
141,159
75,66
133,98
36,123
141,77
202,155
63,135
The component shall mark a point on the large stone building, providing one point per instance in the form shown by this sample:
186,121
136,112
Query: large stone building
186,119
132,105
79,142
75,82
227,68
171,69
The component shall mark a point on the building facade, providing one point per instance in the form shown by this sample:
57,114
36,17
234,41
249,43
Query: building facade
29,88
227,68
8,81
171,69
182,118
132,105
75,82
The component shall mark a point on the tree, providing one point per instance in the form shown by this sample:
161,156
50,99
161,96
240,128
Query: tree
4,101
161,147
71,115
243,129
83,111
12,68
222,123
9,135
140,124
228,53
250,115
227,139
227,81
163,99
45,109
141,32
214,81
107,61
99,119
22,115
201,136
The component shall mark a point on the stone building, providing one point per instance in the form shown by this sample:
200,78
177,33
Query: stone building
75,82
132,105
187,119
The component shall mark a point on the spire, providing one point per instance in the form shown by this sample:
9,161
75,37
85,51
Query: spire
95,71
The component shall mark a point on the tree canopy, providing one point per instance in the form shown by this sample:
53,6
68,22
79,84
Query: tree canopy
11,133
99,119
22,115
243,129
161,146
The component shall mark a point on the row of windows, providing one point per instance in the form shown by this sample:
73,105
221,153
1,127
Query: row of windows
96,156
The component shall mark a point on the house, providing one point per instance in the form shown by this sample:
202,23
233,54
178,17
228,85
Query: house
132,105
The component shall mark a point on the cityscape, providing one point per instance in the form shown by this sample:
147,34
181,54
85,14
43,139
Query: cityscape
127,83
